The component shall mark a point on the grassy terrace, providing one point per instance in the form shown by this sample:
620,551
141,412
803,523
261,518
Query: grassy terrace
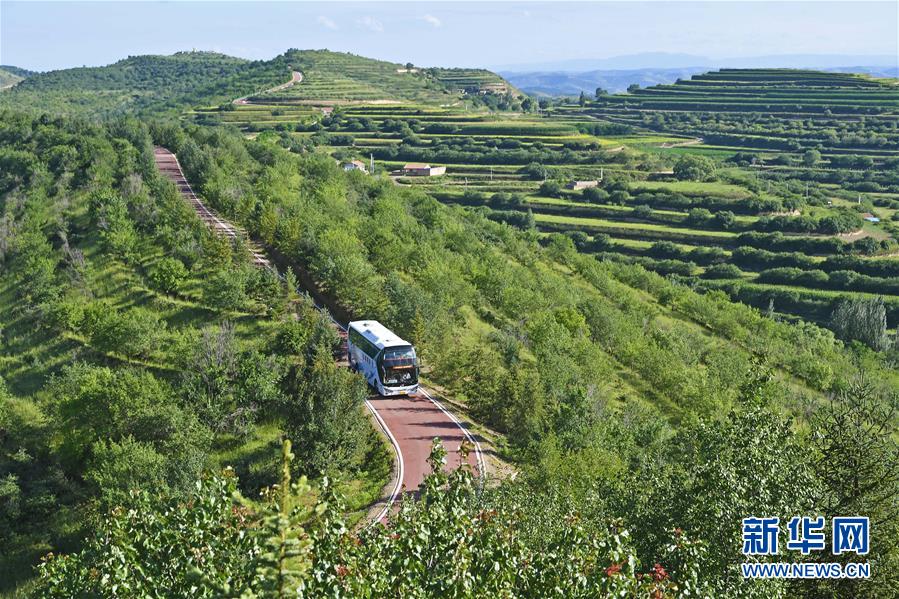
719,115
641,230
334,77
772,109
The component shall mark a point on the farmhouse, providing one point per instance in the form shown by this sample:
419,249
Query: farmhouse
414,169
578,185
870,217
354,165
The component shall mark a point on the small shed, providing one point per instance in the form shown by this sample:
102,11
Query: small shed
414,169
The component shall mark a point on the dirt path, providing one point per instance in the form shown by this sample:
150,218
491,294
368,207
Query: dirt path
296,77
691,142
409,423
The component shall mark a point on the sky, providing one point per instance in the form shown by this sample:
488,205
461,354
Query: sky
51,35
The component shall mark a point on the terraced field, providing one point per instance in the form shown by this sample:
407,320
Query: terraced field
766,209
334,77
779,110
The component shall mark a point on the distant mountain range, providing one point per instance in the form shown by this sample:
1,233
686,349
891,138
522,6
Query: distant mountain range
667,60
615,74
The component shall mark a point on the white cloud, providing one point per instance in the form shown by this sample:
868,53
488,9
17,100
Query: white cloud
432,20
371,23
327,23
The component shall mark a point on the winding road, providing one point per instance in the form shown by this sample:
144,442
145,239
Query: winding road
410,423
296,77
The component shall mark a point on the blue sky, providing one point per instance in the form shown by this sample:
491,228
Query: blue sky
47,35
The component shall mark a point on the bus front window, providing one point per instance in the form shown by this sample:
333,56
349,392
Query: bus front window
398,366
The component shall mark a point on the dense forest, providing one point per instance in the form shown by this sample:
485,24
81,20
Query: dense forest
173,420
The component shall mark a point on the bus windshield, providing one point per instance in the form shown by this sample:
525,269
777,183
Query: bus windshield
398,366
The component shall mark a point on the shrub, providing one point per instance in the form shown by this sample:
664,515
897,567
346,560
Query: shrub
550,189
723,271
595,195
167,275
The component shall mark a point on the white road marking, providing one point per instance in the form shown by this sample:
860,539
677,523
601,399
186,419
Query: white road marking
401,468
482,467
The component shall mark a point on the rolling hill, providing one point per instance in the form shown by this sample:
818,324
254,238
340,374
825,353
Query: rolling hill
149,82
159,83
342,77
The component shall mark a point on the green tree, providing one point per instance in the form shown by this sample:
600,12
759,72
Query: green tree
725,219
551,189
325,413
95,406
858,464
164,545
109,213
694,168
811,158
863,320
168,274
227,289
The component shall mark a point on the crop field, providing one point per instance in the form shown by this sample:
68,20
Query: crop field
769,207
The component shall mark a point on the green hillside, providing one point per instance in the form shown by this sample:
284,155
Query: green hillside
166,83
129,334
335,77
138,83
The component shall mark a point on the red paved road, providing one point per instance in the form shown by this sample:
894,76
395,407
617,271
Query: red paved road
414,422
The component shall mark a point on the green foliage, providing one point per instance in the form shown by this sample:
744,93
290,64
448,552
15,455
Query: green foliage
135,332
109,214
168,274
286,557
858,464
94,404
694,168
229,388
450,543
227,290
550,189
145,83
863,320
325,413
163,545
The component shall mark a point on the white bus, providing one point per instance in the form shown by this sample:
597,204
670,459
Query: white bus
386,361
